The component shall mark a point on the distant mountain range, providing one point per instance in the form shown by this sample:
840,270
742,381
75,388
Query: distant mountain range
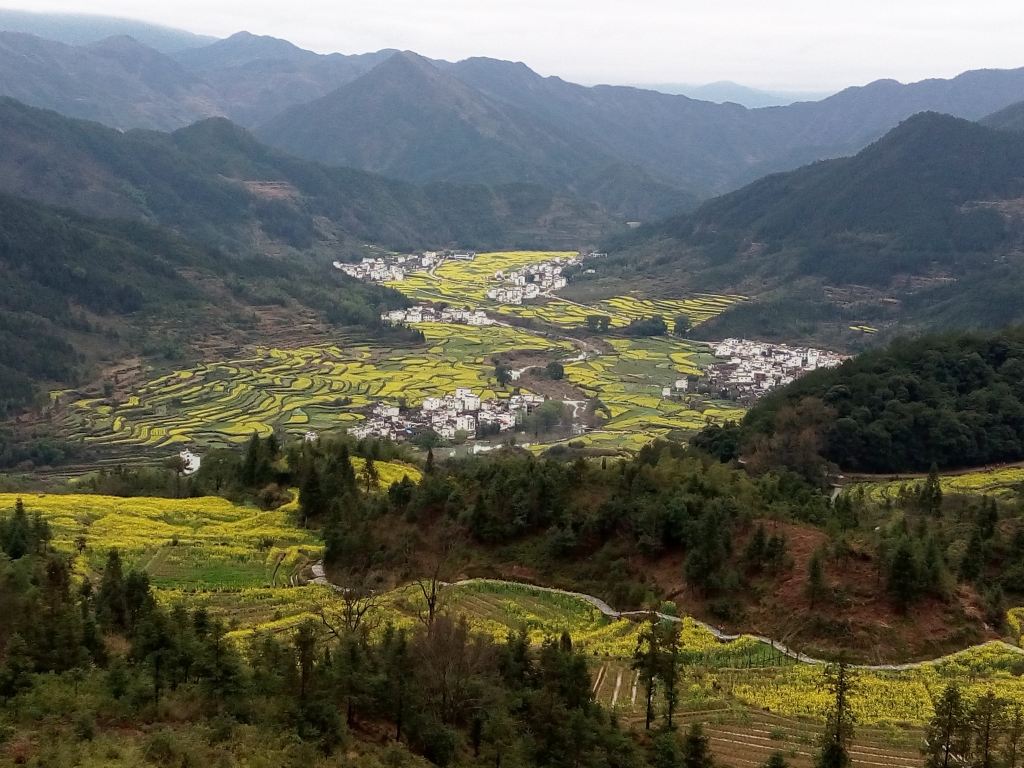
725,91
924,228
1009,119
640,154
214,182
83,29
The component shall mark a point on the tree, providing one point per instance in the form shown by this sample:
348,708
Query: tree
1012,746
647,663
776,760
904,575
502,374
839,719
930,496
555,370
682,325
946,740
598,323
986,722
16,671
111,599
670,669
817,588
697,749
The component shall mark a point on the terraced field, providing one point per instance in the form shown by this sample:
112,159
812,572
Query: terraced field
324,388
466,283
319,388
630,384
1004,481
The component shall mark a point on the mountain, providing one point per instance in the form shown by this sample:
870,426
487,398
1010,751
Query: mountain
639,153
80,293
413,120
83,29
924,227
215,183
726,91
1009,119
117,81
258,77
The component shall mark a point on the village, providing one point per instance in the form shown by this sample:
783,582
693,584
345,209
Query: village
459,413
532,281
423,313
394,267
746,370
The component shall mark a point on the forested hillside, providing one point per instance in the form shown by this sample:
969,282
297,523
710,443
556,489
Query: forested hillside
949,401
78,291
1009,119
214,182
922,228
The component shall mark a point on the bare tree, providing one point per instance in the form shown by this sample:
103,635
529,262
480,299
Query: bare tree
351,608
432,583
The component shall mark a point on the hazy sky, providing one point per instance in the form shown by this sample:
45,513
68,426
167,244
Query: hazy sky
795,44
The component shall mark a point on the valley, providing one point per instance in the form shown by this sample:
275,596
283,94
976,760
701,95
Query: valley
629,384
406,410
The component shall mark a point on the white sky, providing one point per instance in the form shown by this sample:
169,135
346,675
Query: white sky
790,44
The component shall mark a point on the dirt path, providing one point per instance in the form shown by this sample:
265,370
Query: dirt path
611,613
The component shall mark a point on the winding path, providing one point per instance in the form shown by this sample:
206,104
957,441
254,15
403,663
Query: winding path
611,613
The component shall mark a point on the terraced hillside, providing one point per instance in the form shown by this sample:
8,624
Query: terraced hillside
325,388
318,388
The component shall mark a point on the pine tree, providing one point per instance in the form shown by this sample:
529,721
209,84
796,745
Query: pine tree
16,671
670,669
251,462
839,720
817,588
1014,742
930,495
904,576
697,749
973,560
986,723
311,496
756,549
111,600
647,662
946,739
429,468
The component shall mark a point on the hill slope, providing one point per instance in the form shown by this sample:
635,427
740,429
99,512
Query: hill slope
1009,119
258,77
953,401
79,292
214,182
410,119
923,227
640,153
83,29
117,81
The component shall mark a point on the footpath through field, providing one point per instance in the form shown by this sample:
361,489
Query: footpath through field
320,577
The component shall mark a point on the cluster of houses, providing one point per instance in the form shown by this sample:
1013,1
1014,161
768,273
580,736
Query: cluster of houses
745,370
423,313
529,282
394,267
461,411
